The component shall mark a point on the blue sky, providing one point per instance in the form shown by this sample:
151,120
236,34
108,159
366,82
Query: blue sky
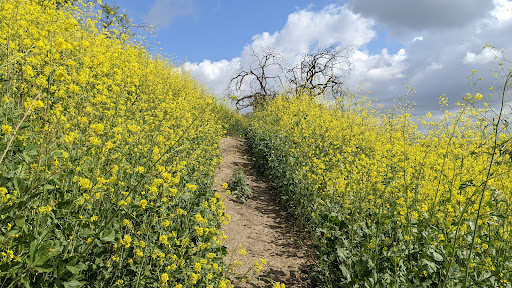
431,45
212,29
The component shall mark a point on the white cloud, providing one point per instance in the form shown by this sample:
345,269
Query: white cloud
502,11
486,56
215,74
375,70
163,12
435,66
305,29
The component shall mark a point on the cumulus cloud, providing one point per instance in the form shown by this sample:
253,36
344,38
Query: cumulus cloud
215,74
486,56
381,67
331,25
502,11
163,12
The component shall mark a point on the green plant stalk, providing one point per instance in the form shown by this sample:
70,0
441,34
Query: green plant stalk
18,127
496,128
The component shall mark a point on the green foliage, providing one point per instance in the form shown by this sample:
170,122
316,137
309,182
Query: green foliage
239,187
232,121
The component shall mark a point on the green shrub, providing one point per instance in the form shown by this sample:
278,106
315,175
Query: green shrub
239,187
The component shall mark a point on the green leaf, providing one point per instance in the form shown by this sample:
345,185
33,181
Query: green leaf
20,185
437,256
484,275
25,282
20,222
430,267
33,248
466,184
108,236
45,269
73,284
48,187
46,251
345,272
75,269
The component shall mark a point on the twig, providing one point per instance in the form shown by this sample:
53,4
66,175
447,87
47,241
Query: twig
18,127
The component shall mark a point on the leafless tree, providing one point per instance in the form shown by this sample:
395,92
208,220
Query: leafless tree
321,71
316,74
260,82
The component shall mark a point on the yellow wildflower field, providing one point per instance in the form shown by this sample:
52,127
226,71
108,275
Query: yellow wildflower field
392,200
108,155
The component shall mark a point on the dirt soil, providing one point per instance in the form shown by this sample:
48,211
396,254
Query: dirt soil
261,226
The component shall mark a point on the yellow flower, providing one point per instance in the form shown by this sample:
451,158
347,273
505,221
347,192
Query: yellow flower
61,75
164,278
10,254
225,186
143,203
163,239
38,104
70,137
98,128
192,187
6,129
85,183
194,278
138,253
126,241
45,209
94,141
197,267
199,218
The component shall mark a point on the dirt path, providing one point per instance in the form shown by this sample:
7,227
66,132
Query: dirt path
260,226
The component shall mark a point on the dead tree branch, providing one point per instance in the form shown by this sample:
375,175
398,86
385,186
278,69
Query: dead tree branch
316,74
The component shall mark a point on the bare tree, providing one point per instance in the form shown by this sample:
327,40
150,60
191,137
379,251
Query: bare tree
316,74
260,82
321,71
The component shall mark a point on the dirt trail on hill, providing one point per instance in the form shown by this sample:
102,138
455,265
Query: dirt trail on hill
260,226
